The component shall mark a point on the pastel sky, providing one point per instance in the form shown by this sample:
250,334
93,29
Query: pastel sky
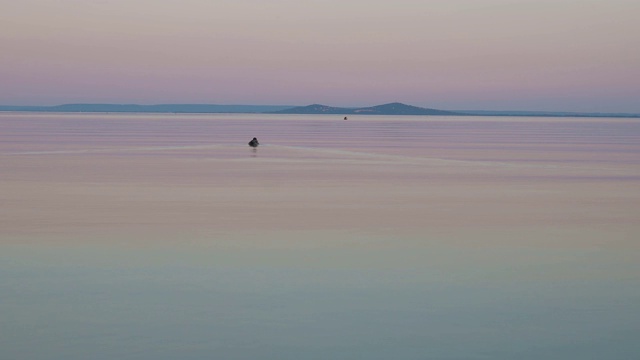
556,55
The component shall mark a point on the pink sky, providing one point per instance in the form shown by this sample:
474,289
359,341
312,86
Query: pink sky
449,54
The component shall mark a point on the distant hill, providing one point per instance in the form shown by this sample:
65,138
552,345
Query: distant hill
401,109
163,108
386,109
315,109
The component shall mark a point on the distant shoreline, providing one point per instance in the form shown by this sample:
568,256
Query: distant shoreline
393,109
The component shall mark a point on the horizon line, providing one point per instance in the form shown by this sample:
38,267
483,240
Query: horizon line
43,108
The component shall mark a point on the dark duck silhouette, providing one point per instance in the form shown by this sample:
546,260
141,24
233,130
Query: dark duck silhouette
254,143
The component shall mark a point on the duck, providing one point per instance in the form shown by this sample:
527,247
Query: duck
254,143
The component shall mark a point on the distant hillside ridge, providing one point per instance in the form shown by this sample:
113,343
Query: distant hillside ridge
315,109
395,108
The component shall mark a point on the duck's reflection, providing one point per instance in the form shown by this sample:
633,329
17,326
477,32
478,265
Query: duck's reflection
254,147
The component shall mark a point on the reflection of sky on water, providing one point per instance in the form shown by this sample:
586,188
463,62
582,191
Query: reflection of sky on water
107,302
164,237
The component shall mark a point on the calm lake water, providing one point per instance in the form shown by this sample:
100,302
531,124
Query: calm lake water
130,236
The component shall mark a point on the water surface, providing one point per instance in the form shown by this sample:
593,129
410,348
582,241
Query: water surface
165,236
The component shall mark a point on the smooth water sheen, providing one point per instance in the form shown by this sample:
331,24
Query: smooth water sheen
130,236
